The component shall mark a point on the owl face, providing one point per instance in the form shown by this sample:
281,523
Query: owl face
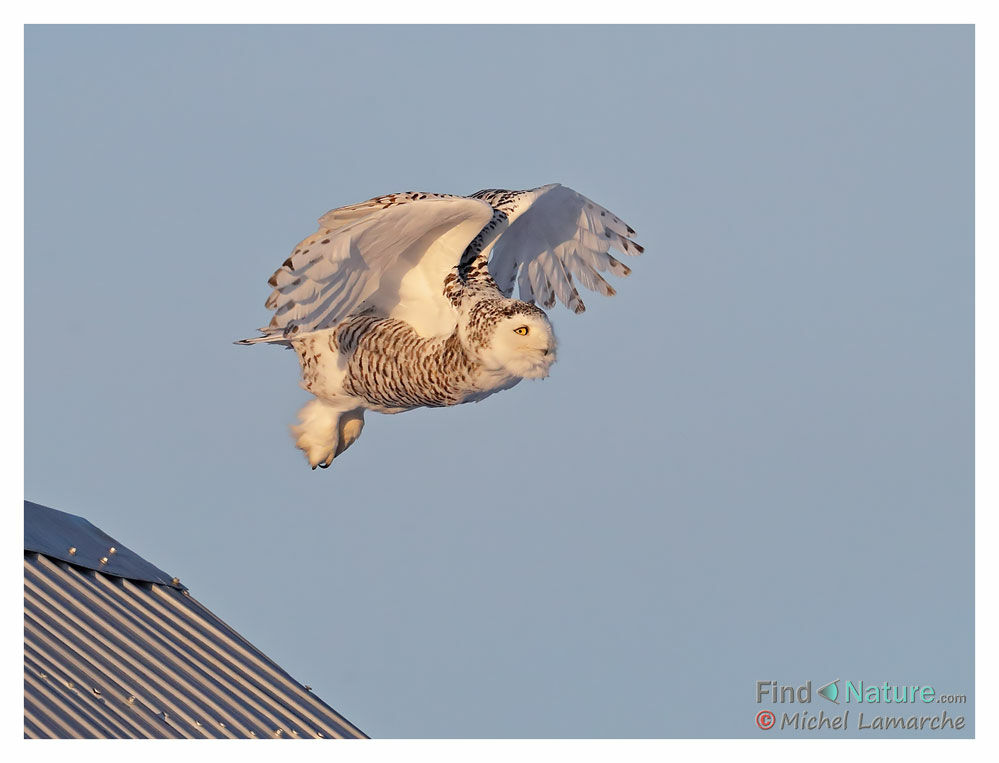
523,343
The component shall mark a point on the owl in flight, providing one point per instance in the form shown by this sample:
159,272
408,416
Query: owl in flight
405,301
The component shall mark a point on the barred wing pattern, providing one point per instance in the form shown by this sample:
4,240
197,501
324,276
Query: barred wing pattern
390,255
563,237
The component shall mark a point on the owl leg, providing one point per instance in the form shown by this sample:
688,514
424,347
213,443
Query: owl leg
325,430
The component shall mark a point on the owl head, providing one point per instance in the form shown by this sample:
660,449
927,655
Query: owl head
519,339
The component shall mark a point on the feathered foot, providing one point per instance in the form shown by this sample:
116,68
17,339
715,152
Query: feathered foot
325,431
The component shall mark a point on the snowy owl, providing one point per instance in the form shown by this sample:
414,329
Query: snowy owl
403,301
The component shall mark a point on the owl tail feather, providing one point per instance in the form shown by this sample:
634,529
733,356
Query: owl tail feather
325,431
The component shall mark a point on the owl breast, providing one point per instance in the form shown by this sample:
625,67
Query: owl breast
386,366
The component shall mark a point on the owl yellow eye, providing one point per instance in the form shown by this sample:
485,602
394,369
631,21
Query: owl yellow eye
523,330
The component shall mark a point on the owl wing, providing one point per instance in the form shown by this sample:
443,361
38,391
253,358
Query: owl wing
561,238
390,255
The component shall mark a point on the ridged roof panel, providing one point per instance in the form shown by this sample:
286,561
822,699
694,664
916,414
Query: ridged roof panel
106,656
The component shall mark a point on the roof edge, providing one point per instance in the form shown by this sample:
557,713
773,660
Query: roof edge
74,540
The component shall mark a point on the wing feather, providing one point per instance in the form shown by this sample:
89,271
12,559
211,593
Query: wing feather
561,237
389,255
343,216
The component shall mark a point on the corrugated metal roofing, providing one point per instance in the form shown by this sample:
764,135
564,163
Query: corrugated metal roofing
107,655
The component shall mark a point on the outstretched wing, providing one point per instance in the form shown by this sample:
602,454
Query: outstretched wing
562,238
389,255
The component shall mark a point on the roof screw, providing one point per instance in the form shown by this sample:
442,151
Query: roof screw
104,560
308,688
72,550
112,550
278,732
175,581
131,700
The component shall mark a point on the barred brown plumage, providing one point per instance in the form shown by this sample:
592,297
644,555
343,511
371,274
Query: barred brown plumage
404,301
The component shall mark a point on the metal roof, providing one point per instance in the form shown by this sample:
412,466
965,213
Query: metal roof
116,648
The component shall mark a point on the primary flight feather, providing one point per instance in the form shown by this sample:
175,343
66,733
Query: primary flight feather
404,301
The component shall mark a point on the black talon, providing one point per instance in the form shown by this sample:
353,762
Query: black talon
325,466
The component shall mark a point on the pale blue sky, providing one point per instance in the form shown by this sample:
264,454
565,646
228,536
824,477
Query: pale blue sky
754,463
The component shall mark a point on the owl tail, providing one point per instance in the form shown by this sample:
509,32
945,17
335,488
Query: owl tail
325,431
